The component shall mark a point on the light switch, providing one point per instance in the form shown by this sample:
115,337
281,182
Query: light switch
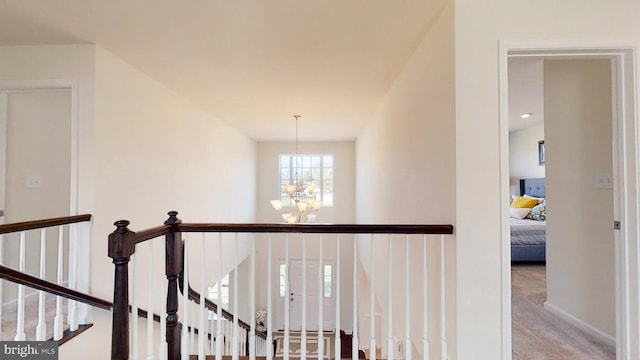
33,182
604,181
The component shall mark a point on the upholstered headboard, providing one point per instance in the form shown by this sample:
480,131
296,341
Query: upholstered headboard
532,187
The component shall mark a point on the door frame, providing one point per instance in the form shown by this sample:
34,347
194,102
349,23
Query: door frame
626,206
57,85
82,254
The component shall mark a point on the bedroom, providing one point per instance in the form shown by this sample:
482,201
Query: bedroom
575,126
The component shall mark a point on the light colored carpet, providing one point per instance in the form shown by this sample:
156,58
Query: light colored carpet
8,318
540,335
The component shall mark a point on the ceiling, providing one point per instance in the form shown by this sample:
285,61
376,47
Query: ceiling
526,78
253,64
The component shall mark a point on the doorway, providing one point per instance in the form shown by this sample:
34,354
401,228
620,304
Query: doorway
575,124
312,285
623,160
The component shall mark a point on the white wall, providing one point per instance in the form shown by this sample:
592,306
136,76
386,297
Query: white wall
479,29
343,211
406,166
143,149
580,243
155,152
523,155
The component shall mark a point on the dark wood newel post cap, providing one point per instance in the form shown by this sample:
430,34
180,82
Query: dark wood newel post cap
173,218
122,242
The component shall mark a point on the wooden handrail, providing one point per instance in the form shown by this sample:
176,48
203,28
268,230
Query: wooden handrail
39,284
39,224
317,228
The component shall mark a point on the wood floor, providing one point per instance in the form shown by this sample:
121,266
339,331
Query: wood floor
540,335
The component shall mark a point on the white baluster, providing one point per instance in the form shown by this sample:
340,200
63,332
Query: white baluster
320,303
235,351
303,337
219,333
150,295
212,330
252,297
72,305
41,327
163,347
184,340
193,341
1,283
443,301
20,335
201,324
390,345
134,309
58,320
407,303
372,302
287,302
425,301
354,338
338,344
269,348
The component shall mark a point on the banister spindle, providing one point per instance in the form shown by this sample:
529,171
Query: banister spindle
252,297
202,311
320,303
186,321
58,320
390,345
443,301
150,296
235,350
407,302
41,328
338,344
425,301
1,291
20,334
219,332
303,337
269,350
120,248
354,338
372,301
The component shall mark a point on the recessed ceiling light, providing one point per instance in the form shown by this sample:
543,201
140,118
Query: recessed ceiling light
525,115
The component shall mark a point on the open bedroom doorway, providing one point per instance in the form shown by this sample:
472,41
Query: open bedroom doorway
566,139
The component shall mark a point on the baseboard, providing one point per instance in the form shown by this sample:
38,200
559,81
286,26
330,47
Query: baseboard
607,339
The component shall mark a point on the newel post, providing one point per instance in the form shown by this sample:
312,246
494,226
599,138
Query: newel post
173,269
122,244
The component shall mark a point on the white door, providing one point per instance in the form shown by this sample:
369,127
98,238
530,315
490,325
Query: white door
296,284
3,152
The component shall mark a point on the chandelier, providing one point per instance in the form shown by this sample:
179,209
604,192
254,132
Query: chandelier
300,202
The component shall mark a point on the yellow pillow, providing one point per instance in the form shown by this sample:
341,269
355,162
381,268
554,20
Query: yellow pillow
523,202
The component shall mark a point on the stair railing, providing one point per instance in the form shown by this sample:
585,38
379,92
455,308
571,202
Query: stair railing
178,328
59,233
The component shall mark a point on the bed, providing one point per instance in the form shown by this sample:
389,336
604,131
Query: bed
528,237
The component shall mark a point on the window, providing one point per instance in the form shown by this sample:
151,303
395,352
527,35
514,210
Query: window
224,294
326,277
283,279
313,169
